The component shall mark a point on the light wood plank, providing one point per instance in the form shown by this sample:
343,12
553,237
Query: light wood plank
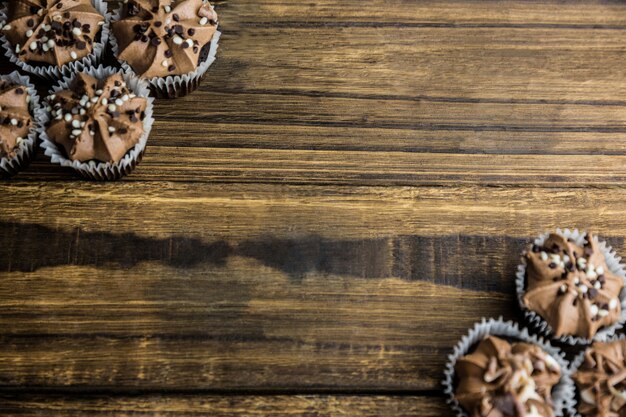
225,406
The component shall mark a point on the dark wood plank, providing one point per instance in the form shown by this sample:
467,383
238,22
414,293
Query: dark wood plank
224,406
154,286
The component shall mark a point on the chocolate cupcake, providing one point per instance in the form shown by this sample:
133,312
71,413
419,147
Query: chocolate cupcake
571,285
20,117
499,370
600,377
169,43
98,123
52,38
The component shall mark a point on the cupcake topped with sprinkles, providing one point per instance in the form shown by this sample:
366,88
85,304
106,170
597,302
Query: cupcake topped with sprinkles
502,378
571,287
160,38
15,117
96,119
52,32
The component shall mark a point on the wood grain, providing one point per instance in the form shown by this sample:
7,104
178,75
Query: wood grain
260,292
225,406
312,230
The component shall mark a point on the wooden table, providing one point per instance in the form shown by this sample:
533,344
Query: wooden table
313,230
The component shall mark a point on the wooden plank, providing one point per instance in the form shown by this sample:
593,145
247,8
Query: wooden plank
224,406
152,286
560,64
359,168
406,12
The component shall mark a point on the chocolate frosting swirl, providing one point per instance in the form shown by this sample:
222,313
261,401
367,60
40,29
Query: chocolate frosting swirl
15,118
158,38
506,379
96,119
601,380
571,286
52,31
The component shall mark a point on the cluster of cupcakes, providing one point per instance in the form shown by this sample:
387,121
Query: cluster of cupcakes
571,290
96,119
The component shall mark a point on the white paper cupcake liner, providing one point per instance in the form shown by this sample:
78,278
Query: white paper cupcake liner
174,85
572,404
561,392
26,149
53,72
538,323
94,169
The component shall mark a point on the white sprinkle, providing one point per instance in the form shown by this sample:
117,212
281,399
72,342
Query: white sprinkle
582,262
165,63
613,303
82,112
105,101
94,99
48,108
168,21
82,124
603,313
47,28
544,256
59,117
101,23
111,129
29,33
40,12
17,47
1,25
99,92
125,97
565,258
57,18
576,281
76,32
112,108
73,55
19,139
76,123
88,104
119,102
593,309
189,42
178,40
597,285
167,9
600,270
92,133
84,98
555,258
67,117
44,39
204,21
132,95
76,132
14,122
563,288
583,289
45,47
7,27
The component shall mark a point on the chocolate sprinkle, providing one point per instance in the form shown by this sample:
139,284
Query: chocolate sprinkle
19,91
30,23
